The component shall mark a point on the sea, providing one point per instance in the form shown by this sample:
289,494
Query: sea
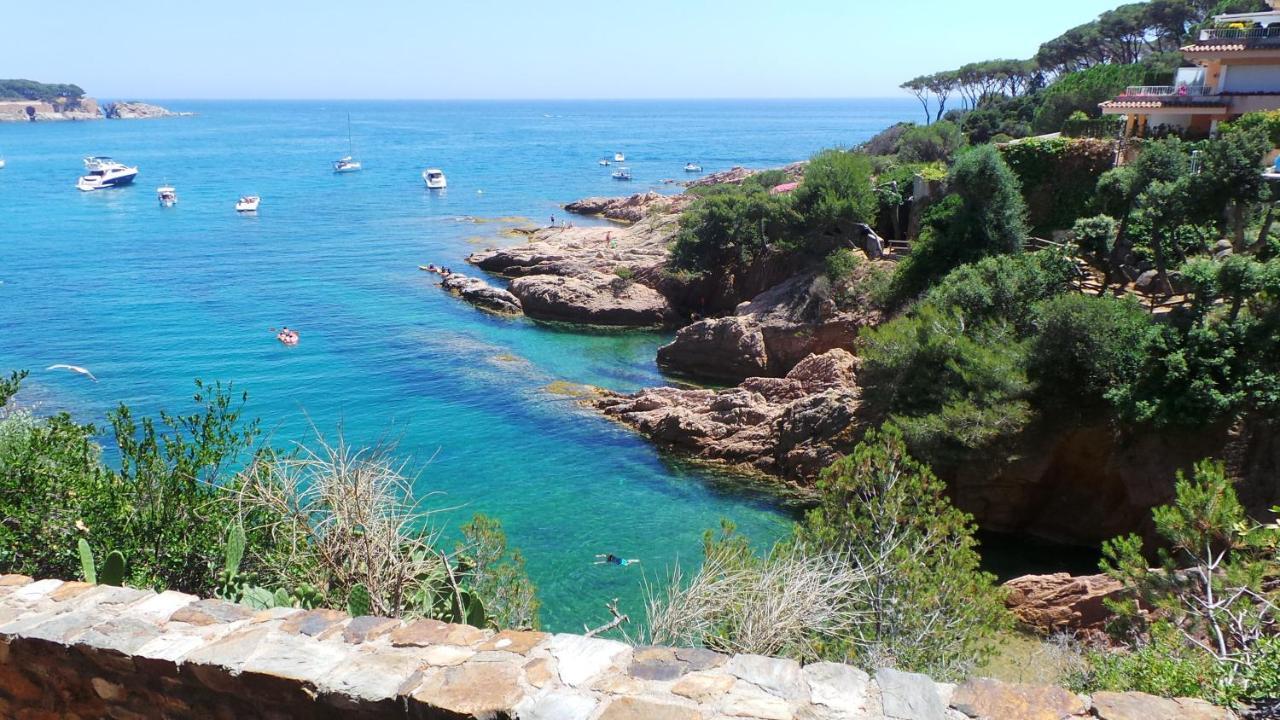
480,409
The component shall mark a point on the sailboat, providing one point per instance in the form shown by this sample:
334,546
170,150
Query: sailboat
347,164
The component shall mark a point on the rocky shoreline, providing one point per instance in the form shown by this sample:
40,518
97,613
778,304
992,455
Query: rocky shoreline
84,109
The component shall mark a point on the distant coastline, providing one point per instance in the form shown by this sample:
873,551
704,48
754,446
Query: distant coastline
13,110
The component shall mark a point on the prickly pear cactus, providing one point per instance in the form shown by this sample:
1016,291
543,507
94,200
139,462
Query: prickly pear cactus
359,602
87,566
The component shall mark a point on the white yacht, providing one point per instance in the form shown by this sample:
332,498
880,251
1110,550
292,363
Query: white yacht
622,174
692,167
347,164
434,178
619,157
167,195
248,203
105,173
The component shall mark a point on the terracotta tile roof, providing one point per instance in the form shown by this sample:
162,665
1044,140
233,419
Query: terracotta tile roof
1132,104
1230,47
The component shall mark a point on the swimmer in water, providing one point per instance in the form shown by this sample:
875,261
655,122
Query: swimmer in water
611,559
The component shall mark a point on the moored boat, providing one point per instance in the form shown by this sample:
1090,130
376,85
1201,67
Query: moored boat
434,178
347,164
167,195
622,174
248,203
692,167
105,173
619,157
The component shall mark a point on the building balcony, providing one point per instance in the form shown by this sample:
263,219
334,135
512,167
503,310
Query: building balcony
1252,37
1165,92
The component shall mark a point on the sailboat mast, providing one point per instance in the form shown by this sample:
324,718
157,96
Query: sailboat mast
350,150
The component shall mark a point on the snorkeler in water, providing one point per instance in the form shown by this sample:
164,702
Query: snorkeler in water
611,559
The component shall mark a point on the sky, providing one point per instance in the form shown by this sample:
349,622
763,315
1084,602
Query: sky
411,49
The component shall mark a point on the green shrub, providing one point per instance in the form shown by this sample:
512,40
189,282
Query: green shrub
840,264
984,216
1004,287
1266,122
937,142
1084,346
1095,235
730,228
891,515
836,191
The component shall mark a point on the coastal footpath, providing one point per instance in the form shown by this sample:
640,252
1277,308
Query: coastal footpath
72,649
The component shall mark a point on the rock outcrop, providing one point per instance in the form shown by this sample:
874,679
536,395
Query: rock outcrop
134,110
630,209
592,298
768,335
478,292
786,426
1061,602
590,275
85,108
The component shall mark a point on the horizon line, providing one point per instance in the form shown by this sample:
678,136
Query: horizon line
121,98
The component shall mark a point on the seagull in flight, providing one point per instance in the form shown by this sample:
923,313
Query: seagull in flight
74,369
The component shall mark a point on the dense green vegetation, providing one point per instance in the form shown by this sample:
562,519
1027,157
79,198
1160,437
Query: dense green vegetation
1134,44
329,526
31,90
884,571
1203,622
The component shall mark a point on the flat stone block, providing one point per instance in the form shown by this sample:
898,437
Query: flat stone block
312,622
207,612
843,689
703,687
368,627
908,696
514,641
986,698
295,657
372,676
638,709
776,676
579,659
747,700
556,705
701,658
471,689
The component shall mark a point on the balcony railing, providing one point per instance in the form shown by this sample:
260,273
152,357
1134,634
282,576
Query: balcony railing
1268,34
1168,91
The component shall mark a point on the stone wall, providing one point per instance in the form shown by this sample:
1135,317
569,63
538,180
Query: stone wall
73,650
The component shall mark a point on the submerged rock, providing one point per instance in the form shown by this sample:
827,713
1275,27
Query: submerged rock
786,426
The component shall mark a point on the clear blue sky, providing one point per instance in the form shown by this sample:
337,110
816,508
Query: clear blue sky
514,49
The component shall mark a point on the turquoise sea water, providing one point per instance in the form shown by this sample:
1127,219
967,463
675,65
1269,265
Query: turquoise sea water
149,298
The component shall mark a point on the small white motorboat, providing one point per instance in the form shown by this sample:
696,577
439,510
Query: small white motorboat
347,164
167,195
622,174
619,157
692,167
604,163
1,163
248,203
434,178
105,173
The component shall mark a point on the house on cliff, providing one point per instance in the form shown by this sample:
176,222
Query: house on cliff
1237,71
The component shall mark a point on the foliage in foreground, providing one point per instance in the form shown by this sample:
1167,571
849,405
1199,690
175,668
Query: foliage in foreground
1204,622
333,527
883,572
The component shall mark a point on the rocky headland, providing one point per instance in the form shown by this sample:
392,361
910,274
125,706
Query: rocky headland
590,275
85,108
786,339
